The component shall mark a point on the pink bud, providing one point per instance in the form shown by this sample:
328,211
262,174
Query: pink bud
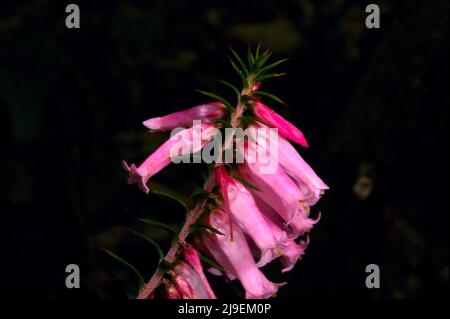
171,291
204,112
197,289
285,128
193,259
193,139
183,286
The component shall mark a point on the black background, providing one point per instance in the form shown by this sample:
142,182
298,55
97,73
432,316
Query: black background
372,103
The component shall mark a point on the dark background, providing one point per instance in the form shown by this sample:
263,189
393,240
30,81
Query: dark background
372,103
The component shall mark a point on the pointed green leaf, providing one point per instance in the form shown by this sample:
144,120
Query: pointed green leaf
150,241
271,96
159,224
271,66
269,76
211,263
250,59
172,197
224,122
122,261
198,191
263,59
231,86
258,49
217,98
208,227
241,63
239,72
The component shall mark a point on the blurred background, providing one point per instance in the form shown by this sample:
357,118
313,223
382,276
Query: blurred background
373,103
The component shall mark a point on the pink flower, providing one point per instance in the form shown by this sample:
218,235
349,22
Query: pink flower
245,213
193,259
234,255
193,139
205,112
190,283
291,251
284,127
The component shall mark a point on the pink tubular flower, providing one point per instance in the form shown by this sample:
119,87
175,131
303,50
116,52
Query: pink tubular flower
190,283
193,259
294,165
285,128
242,207
204,112
291,251
235,257
276,189
193,139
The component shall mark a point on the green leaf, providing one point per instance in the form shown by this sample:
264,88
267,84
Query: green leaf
271,66
172,197
250,59
122,261
199,192
238,58
150,241
263,59
211,263
224,122
269,76
159,224
130,295
258,49
239,72
217,98
231,86
271,96
210,228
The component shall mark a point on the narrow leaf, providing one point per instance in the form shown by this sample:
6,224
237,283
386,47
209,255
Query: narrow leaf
258,49
150,241
172,197
159,224
210,228
122,261
238,58
271,96
211,263
269,76
250,59
239,72
199,192
231,86
271,66
216,97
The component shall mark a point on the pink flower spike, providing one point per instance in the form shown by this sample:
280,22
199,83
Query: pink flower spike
193,259
192,140
205,112
285,128
236,258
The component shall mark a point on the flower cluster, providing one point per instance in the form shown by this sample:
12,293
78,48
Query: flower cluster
251,216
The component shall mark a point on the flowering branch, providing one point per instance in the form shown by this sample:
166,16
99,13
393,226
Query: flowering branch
245,202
